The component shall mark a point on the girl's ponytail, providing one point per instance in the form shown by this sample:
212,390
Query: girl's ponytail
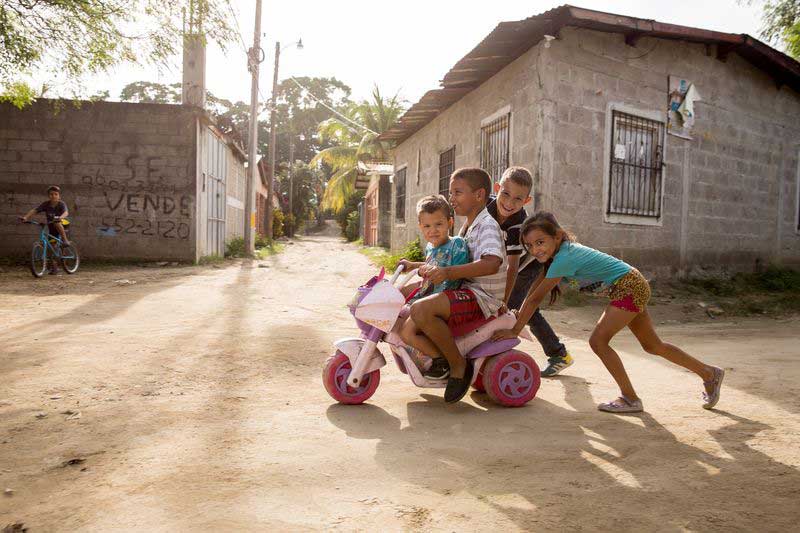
546,222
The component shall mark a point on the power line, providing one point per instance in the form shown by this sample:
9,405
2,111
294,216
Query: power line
236,20
268,101
329,108
244,48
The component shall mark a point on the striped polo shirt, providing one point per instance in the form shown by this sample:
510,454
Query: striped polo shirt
484,237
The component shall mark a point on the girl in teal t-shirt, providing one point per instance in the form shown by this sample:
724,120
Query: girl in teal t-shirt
628,291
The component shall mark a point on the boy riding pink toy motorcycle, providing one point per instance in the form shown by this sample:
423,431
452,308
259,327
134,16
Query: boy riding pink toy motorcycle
352,374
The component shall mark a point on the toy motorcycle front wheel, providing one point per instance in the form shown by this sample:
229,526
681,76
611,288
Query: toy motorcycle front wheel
334,377
511,378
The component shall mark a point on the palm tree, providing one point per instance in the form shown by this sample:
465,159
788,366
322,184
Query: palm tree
355,143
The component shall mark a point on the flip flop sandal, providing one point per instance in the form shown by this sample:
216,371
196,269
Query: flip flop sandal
710,400
622,405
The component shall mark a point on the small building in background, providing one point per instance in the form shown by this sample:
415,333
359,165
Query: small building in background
262,195
236,192
375,178
671,147
141,181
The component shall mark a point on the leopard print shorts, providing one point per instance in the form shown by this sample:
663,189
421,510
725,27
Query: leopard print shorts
631,292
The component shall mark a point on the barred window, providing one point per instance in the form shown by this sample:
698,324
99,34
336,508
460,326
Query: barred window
495,146
400,195
636,166
447,164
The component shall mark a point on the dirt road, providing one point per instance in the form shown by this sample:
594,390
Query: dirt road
201,408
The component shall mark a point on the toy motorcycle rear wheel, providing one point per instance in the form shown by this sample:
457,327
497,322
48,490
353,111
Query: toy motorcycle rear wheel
511,378
334,377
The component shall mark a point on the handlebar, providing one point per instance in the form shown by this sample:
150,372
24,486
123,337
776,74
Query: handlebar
396,274
399,271
32,222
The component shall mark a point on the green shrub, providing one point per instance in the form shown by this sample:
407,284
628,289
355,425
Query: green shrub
262,252
350,206
288,224
262,241
210,259
235,248
413,251
384,258
776,279
351,230
773,279
277,223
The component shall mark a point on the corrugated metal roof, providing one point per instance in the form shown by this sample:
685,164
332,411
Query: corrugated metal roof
509,40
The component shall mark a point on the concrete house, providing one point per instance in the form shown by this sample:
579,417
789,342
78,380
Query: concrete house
376,221
672,147
142,181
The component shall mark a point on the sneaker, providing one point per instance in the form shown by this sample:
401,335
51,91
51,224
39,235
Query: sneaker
440,369
457,388
556,365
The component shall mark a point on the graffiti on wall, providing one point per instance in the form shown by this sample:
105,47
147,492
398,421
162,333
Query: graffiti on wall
143,203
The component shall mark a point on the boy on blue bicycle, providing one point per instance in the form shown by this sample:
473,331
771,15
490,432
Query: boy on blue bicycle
56,212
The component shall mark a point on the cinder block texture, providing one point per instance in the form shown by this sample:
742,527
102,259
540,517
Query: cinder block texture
126,171
730,195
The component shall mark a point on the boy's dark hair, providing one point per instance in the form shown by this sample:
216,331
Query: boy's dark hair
477,178
54,188
433,203
519,175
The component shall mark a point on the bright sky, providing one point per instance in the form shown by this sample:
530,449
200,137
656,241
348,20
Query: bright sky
403,46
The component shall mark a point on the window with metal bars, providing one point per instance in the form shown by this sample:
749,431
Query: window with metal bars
636,166
495,146
447,164
400,195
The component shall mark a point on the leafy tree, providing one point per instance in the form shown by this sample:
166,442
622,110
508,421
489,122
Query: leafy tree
146,92
232,117
75,37
306,181
298,114
353,143
781,24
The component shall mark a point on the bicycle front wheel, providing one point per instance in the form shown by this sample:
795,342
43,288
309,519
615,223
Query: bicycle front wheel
38,260
70,258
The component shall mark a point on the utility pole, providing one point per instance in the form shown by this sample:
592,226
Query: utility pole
272,132
253,60
291,185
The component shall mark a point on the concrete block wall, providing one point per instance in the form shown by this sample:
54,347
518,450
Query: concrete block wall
728,194
518,87
126,171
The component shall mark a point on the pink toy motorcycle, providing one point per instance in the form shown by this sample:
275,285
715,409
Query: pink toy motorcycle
352,374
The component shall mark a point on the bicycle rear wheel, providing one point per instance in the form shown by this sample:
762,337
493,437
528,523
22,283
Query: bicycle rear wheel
38,260
70,258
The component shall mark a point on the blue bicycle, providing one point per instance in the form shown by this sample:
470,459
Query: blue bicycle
52,247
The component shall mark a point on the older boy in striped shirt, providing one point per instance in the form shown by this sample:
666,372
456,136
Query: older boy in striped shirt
442,316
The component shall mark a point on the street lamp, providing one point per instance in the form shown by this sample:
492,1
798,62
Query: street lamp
271,170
